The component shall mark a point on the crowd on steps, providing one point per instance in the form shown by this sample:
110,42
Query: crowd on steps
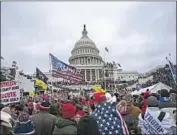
99,114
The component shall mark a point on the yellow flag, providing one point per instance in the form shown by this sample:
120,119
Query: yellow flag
40,83
99,89
32,94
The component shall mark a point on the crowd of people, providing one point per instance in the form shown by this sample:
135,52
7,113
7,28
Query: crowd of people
163,75
98,114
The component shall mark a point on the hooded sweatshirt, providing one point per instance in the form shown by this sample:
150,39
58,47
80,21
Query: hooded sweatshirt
63,126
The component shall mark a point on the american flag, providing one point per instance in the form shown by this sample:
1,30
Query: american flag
109,120
172,69
62,70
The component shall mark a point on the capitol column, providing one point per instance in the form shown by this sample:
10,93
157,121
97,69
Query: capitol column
85,75
98,74
96,78
91,75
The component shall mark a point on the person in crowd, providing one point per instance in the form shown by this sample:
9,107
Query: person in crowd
8,111
87,109
155,121
30,106
147,93
98,97
13,111
69,126
140,100
144,101
24,105
173,97
166,104
44,121
131,109
109,120
24,125
54,110
79,115
18,109
36,107
131,121
88,126
6,125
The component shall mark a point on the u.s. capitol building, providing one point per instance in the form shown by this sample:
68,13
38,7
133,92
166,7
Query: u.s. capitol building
85,57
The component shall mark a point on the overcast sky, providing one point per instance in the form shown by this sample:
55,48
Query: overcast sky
138,35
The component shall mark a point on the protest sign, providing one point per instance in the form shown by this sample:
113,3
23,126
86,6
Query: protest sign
152,125
10,92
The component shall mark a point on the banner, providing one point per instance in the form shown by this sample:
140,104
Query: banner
152,125
63,70
10,92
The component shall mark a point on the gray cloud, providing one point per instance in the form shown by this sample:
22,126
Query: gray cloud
138,35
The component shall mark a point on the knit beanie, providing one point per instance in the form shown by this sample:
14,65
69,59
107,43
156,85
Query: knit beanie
152,101
23,117
99,97
44,106
25,126
68,111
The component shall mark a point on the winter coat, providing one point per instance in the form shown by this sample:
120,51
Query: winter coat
135,111
44,123
65,127
27,128
132,123
88,126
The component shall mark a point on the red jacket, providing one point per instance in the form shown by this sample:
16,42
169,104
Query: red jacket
145,103
30,105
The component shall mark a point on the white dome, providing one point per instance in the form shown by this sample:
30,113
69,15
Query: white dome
85,47
85,57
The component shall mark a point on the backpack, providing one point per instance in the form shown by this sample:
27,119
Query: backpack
160,117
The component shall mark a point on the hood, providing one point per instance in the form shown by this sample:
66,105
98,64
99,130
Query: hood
64,122
54,110
108,97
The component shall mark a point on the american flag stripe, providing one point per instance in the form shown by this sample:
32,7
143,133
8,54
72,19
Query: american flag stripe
124,126
65,76
61,69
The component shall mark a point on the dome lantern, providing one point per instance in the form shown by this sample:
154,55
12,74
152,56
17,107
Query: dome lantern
84,32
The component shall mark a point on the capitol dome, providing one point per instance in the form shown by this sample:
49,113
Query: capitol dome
85,56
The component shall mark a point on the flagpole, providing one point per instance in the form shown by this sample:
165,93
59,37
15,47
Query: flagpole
169,56
114,73
104,65
50,68
171,69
